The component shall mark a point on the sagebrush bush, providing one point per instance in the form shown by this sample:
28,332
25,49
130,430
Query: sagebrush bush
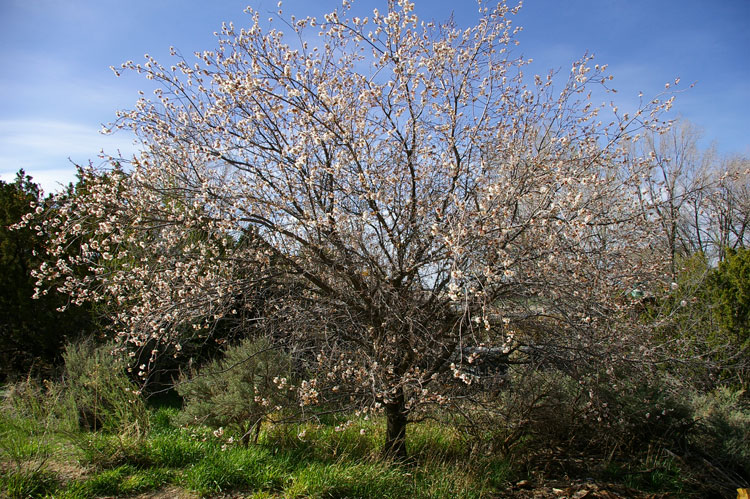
643,411
591,414
546,405
240,390
723,429
98,392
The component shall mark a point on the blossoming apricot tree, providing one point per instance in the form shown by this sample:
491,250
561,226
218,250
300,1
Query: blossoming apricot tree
416,189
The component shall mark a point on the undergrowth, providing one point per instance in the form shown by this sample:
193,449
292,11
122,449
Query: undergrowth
650,440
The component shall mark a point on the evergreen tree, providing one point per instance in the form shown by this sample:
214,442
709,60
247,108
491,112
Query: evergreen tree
32,332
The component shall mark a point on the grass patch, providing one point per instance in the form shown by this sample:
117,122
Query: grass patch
433,440
18,446
120,481
105,450
348,480
24,436
440,479
177,449
23,484
651,475
335,458
163,420
237,468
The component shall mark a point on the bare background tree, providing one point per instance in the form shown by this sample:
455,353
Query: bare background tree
700,199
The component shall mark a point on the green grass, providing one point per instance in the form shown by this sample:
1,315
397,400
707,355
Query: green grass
23,438
237,468
24,484
176,450
650,475
327,459
347,480
123,480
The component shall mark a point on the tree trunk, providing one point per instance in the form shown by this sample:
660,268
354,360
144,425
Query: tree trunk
395,432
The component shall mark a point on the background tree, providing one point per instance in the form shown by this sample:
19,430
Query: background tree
681,182
401,180
32,333
700,199
728,290
728,206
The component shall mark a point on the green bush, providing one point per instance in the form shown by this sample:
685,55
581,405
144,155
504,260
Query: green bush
239,391
98,392
723,430
728,290
704,320
93,394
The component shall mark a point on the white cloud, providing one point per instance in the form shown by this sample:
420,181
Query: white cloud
46,150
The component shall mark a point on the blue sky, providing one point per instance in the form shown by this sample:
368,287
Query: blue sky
56,88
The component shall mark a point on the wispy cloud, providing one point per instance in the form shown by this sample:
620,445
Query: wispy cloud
48,150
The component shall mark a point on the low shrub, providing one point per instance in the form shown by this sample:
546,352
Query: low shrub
640,412
238,391
98,392
722,434
546,406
